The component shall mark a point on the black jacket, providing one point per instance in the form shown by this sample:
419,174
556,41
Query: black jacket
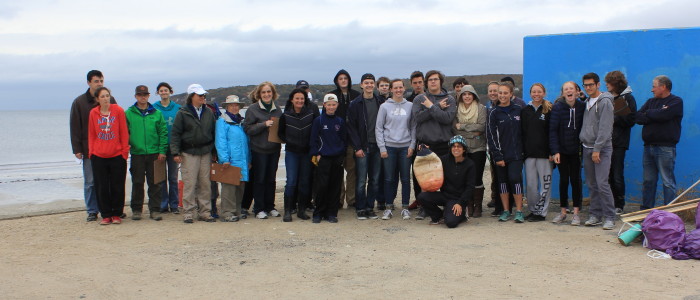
565,124
623,124
504,133
459,179
662,121
343,102
535,126
191,134
295,128
357,123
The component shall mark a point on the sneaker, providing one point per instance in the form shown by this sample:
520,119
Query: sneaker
261,215
156,216
244,213
175,211
316,219
332,219
405,214
230,218
91,217
519,217
361,215
433,222
618,211
576,221
496,214
560,218
387,215
505,216
527,218
116,220
188,220
593,221
370,214
136,216
208,219
106,221
536,218
421,214
274,213
609,224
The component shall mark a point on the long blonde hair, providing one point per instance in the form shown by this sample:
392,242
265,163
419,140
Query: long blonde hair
546,105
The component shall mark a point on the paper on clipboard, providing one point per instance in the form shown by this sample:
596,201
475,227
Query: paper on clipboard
159,171
273,137
230,175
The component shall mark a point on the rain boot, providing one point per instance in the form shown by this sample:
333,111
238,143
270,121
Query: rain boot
287,209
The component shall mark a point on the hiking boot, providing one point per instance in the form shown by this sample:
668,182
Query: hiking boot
361,215
609,224
208,219
136,216
287,216
106,221
536,218
559,218
261,215
370,214
505,216
593,221
421,214
91,217
405,214
576,221
387,214
188,220
156,216
519,217
116,220
244,213
230,218
274,213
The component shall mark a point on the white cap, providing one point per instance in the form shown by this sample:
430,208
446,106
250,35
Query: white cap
330,97
196,88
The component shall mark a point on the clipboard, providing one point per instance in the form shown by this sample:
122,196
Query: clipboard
273,137
159,171
230,175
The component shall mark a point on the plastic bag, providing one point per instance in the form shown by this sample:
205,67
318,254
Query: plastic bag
688,248
663,230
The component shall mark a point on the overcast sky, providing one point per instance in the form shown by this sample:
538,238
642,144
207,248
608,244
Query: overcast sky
49,45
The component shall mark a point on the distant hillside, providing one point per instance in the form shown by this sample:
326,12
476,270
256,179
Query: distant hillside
480,83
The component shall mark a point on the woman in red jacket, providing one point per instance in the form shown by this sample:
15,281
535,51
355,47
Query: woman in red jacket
108,139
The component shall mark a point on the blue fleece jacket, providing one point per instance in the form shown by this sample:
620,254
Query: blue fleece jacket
328,135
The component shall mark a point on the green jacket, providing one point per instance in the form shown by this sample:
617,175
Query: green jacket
191,134
148,133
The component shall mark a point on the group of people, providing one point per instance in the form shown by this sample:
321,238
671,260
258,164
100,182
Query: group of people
372,136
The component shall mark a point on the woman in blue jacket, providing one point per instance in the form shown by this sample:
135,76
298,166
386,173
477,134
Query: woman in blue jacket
504,137
232,150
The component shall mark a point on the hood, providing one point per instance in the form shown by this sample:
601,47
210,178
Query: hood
149,110
403,101
165,108
627,90
335,79
467,88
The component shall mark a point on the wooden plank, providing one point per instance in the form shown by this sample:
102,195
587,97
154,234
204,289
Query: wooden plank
676,207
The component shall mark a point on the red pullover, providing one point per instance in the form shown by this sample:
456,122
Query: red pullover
108,136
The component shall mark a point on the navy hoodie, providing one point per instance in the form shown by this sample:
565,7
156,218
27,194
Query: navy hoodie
565,124
328,136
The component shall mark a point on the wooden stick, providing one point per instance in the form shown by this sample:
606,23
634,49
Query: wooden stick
676,207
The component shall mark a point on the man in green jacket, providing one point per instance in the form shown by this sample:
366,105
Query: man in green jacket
148,137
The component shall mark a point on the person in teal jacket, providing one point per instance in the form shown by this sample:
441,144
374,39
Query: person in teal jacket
169,193
148,138
232,150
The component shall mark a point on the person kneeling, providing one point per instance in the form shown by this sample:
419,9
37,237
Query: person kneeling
458,186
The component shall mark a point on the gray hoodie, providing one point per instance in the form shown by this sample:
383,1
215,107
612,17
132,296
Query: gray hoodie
395,127
434,124
598,121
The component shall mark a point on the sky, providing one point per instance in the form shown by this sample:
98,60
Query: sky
48,46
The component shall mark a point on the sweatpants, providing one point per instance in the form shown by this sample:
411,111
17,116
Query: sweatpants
538,172
597,175
195,176
110,176
231,199
328,179
570,172
142,165
431,201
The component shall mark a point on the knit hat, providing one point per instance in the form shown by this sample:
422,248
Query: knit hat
458,139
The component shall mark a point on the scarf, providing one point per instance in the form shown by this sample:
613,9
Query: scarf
467,115
235,118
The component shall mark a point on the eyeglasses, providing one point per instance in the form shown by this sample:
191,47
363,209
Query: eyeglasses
589,84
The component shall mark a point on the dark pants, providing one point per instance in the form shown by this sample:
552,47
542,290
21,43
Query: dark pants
328,179
142,165
617,176
431,201
110,177
438,148
248,193
214,196
570,172
495,191
265,165
479,159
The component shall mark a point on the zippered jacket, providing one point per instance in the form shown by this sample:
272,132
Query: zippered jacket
148,133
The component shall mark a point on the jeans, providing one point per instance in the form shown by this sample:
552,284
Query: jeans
265,165
658,160
169,193
366,167
298,174
397,160
89,187
617,176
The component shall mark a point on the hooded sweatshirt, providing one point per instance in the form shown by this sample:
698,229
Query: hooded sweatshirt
565,126
79,115
623,123
596,131
169,112
434,124
108,136
395,125
148,133
344,101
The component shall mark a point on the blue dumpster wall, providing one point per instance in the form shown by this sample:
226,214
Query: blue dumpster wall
640,55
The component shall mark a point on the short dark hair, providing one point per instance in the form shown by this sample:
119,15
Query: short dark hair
508,79
94,73
416,74
665,81
384,79
431,73
164,84
299,91
459,80
593,76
